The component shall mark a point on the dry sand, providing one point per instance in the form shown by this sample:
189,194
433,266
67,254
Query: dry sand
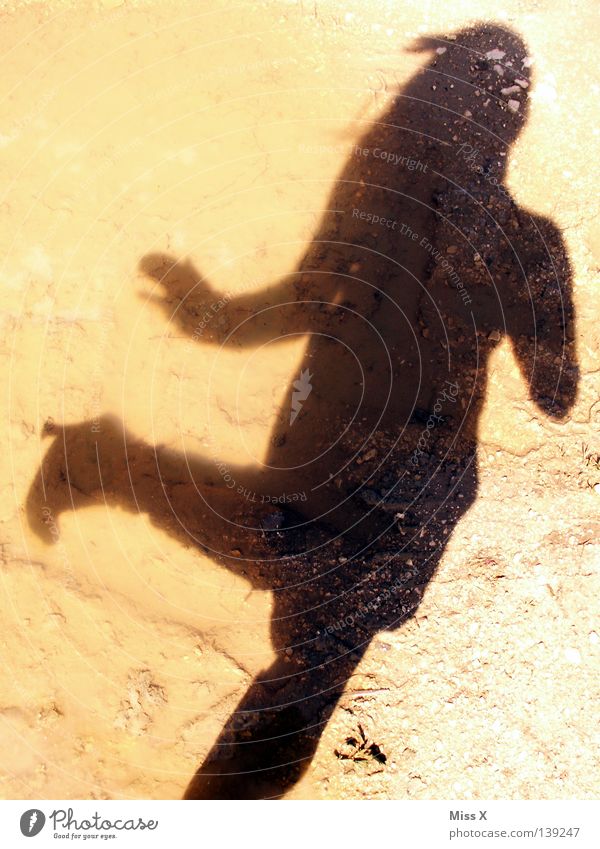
216,131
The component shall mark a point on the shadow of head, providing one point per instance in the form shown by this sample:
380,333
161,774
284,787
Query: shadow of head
484,65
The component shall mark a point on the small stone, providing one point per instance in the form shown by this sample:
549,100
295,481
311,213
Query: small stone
273,521
512,89
499,70
522,83
495,336
452,249
513,106
440,50
495,54
573,656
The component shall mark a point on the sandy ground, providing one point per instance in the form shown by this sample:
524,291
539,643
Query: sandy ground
217,131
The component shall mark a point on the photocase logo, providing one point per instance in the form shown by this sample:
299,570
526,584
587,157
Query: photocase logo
302,389
32,822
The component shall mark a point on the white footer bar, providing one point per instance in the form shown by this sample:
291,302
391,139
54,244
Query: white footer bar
301,824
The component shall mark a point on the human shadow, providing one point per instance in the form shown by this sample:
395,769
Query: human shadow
421,265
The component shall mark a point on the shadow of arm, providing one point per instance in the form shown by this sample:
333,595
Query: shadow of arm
542,325
219,317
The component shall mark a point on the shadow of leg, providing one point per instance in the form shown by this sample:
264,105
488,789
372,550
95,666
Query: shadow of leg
80,464
98,462
270,739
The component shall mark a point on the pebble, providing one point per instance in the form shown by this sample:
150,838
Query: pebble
514,105
573,656
273,521
495,54
495,336
512,89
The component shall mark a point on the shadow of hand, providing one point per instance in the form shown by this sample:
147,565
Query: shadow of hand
186,294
